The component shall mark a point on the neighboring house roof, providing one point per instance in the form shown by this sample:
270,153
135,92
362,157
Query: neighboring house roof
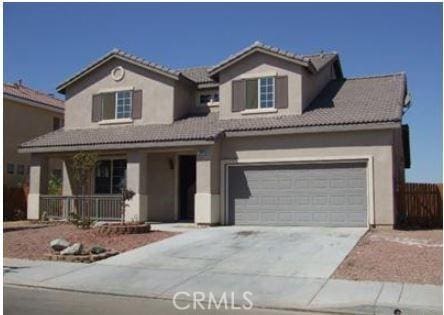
359,102
312,62
120,54
18,92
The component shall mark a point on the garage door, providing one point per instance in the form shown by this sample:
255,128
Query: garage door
312,195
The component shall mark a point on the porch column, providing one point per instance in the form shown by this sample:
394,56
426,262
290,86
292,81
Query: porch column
136,170
38,184
66,182
206,199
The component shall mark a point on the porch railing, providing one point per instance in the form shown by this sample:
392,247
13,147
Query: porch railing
96,207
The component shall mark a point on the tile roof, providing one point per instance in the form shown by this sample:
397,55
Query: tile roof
312,62
24,92
123,55
359,101
200,75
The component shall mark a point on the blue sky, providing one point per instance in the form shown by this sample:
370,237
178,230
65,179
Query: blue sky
46,43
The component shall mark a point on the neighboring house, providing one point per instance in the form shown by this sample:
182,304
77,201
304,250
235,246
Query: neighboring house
266,137
27,114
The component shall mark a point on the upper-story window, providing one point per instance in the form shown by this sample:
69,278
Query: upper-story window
260,93
206,99
117,105
122,106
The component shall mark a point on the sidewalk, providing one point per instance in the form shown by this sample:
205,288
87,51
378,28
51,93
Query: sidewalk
355,297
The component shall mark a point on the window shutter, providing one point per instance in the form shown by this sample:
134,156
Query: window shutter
137,104
239,95
96,114
282,92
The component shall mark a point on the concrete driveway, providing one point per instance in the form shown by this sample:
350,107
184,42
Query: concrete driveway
308,252
281,267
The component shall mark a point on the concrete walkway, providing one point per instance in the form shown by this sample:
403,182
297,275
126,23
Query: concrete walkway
355,297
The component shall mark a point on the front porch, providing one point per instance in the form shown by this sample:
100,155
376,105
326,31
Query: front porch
169,186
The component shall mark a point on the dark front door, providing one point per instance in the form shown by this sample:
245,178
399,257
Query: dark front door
187,186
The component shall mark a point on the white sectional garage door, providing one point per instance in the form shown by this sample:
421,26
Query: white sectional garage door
312,195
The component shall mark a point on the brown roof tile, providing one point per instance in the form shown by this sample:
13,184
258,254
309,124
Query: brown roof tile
360,101
21,91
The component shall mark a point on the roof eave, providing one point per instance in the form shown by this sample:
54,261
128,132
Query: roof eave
115,146
62,87
213,72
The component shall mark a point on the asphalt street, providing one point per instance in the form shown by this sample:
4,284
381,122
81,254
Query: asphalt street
24,300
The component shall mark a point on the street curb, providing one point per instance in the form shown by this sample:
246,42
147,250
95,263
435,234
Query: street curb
372,309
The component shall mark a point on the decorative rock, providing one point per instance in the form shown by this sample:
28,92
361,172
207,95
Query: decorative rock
98,224
59,244
72,250
97,249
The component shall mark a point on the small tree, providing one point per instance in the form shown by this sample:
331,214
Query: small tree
127,195
81,166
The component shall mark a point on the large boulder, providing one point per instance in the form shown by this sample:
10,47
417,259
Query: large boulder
74,249
97,249
59,244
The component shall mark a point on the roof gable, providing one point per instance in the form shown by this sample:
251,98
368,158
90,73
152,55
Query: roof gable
313,63
121,55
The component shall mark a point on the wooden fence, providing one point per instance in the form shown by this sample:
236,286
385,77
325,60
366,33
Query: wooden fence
420,206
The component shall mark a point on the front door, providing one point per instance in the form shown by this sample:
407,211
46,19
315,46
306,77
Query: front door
187,186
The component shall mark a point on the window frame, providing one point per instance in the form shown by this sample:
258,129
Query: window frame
116,105
211,99
111,175
273,85
259,101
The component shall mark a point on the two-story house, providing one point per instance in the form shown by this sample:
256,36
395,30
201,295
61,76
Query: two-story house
27,113
265,137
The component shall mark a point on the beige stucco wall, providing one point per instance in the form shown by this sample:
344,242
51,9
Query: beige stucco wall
257,64
183,98
374,144
160,178
303,86
158,94
23,122
313,83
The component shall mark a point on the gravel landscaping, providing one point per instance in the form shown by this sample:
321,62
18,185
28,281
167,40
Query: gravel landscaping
392,255
34,243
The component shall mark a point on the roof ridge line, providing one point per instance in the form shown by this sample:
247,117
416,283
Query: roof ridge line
196,67
375,76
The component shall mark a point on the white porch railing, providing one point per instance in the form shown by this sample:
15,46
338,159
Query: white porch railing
96,207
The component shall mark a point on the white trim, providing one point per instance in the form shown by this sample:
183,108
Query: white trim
259,111
117,89
259,75
226,163
115,76
116,121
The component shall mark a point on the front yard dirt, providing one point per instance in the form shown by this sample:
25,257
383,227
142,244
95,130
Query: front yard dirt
392,255
34,243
